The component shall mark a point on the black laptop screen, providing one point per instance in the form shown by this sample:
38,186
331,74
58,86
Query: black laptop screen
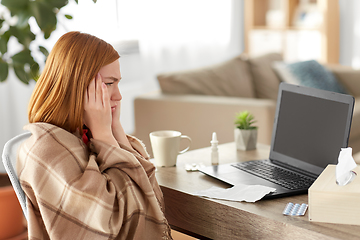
311,129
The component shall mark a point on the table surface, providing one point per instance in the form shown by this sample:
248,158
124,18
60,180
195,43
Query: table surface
218,219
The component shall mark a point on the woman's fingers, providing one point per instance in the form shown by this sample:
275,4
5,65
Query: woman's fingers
105,98
98,90
97,114
97,102
92,90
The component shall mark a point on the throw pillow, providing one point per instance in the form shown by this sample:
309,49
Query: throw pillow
231,78
310,74
348,77
266,82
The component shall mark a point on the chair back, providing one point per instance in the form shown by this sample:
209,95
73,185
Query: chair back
9,157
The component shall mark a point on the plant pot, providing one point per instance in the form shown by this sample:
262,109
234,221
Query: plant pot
245,139
12,223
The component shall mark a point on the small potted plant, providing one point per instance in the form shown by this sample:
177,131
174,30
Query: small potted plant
245,133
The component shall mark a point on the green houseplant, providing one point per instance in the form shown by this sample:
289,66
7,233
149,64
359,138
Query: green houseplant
245,132
14,24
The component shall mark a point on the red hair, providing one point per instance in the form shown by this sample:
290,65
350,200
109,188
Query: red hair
58,97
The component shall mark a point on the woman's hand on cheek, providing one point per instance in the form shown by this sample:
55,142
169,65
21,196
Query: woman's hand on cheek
97,111
116,115
117,128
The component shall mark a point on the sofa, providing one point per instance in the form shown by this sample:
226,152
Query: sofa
199,102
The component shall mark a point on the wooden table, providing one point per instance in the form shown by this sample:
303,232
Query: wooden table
216,219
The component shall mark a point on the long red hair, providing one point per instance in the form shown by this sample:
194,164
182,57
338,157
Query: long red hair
58,97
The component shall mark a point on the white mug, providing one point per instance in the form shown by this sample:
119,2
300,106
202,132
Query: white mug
165,146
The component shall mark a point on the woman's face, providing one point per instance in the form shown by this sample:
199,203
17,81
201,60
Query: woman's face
111,76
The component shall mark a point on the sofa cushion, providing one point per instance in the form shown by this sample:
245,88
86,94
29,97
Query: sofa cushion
231,78
266,82
348,77
308,73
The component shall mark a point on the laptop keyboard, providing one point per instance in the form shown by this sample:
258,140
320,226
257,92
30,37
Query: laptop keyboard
285,178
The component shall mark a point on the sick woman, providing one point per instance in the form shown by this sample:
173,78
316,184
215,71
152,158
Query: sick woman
83,177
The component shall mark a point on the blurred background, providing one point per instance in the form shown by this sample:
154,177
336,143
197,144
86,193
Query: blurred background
153,37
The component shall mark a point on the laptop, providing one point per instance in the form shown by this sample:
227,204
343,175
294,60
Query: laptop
310,128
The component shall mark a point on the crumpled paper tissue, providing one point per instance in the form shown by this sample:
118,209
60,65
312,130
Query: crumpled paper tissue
238,193
344,168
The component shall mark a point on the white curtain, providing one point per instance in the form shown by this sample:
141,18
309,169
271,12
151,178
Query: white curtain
349,33
185,34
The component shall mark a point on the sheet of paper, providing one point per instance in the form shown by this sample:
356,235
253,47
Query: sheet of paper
238,193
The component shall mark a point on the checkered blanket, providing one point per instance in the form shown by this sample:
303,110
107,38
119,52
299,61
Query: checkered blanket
99,191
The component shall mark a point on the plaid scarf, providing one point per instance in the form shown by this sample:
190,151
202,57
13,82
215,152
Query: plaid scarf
94,191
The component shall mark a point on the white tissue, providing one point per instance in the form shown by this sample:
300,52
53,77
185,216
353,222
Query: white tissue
345,165
238,193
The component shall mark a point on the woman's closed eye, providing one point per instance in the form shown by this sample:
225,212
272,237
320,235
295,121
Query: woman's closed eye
109,84
109,81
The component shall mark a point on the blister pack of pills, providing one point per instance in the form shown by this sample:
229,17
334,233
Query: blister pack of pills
292,209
